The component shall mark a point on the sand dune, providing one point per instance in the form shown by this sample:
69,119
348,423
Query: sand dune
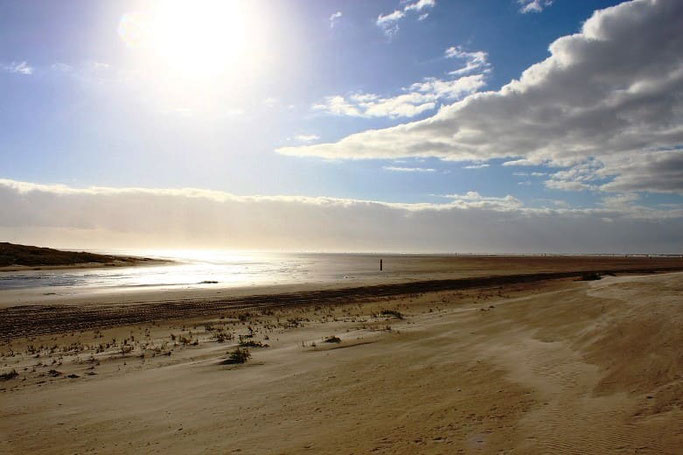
24,257
552,367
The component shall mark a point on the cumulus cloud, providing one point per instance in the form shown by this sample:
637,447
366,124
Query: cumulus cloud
417,98
389,22
657,171
533,6
334,18
18,68
611,95
195,218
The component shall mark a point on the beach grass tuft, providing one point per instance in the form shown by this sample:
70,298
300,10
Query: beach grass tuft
392,313
237,356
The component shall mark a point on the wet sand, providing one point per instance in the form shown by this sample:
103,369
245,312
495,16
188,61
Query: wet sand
535,366
346,271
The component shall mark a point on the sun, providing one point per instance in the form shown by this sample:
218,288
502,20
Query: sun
194,38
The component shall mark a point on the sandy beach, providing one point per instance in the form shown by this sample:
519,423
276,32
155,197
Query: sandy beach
287,227
544,366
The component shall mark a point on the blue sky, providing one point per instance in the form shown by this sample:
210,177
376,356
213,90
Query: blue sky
88,103
61,128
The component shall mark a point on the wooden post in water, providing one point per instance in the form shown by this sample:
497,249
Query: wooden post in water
380,265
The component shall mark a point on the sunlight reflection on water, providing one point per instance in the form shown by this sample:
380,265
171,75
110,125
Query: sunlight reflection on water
196,268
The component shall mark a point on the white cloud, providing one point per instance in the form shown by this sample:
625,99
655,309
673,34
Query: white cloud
578,178
389,22
416,99
609,95
533,6
473,199
419,5
408,169
620,201
532,174
476,166
18,68
449,89
334,18
337,105
306,138
195,218
371,105
474,61
655,171
386,20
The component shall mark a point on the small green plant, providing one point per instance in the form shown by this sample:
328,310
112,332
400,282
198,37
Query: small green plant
237,356
222,337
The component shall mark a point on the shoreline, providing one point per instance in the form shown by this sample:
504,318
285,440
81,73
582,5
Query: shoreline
33,320
325,272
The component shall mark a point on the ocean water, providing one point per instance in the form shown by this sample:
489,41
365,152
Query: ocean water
195,269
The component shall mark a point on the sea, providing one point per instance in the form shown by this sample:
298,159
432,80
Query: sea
201,269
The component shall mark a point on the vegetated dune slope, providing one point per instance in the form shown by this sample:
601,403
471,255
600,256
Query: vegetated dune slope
32,256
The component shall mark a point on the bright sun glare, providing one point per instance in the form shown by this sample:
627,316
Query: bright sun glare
194,39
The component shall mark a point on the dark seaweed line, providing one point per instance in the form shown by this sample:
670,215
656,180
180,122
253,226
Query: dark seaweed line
32,320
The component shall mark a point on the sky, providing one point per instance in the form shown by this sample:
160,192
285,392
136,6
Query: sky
498,126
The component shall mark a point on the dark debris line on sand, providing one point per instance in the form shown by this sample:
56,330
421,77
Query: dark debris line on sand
31,320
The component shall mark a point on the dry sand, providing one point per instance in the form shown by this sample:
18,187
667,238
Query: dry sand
559,366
